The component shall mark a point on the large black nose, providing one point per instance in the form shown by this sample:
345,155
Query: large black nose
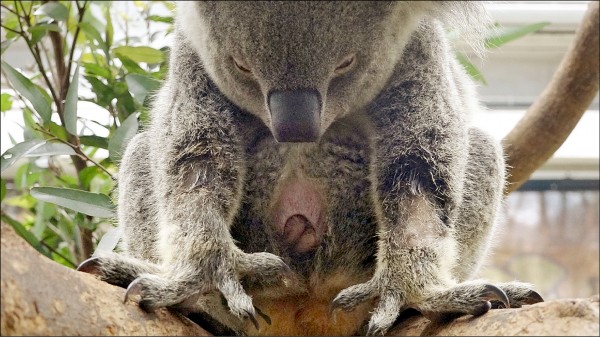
295,115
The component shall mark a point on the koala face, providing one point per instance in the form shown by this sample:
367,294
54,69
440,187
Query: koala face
298,66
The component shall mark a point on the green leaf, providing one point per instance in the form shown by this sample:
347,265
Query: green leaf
502,36
71,104
96,70
2,189
55,10
131,66
95,141
4,45
13,154
140,54
104,93
11,21
39,31
140,86
31,126
122,136
94,204
5,102
51,149
58,131
158,18
470,68
87,174
24,86
25,234
109,27
43,213
109,240
33,148
93,35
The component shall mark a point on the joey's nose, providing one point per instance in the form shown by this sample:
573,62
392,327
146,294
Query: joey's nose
295,115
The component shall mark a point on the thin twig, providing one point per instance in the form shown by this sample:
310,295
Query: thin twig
38,60
52,71
76,34
81,154
12,30
9,9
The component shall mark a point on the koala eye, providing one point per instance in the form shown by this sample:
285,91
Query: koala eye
241,67
345,65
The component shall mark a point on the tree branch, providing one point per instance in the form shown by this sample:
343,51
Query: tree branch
41,297
552,117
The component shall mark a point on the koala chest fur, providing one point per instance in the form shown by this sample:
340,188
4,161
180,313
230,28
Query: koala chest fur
309,204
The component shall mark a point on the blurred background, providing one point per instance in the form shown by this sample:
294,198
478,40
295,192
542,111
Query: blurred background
550,229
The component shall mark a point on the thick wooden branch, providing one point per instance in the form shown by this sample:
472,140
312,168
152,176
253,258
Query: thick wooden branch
41,297
552,117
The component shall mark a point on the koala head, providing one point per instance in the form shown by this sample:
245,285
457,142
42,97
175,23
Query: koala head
299,66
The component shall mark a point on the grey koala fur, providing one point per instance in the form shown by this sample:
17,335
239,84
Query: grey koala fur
393,207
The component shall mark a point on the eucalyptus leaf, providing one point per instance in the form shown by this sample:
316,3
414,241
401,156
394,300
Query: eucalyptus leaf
470,68
158,18
2,189
140,54
95,141
10,156
55,10
25,234
39,31
109,240
70,115
140,86
51,149
5,102
500,36
122,136
94,204
4,45
24,86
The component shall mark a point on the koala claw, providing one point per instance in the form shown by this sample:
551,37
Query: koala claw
134,289
263,315
90,266
252,317
533,297
495,295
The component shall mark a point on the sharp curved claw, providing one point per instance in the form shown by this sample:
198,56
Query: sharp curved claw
90,266
493,293
251,316
533,297
263,315
134,289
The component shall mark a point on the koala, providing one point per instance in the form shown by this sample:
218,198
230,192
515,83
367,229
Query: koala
310,169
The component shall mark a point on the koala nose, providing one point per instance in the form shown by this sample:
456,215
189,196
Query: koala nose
295,115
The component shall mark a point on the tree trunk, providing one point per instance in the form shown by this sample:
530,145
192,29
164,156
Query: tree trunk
41,297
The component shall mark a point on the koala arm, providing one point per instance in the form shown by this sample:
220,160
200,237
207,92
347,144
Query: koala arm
421,149
197,171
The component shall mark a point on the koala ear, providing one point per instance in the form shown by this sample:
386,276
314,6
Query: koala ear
295,115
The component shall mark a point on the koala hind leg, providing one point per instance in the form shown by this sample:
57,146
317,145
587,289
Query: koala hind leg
482,201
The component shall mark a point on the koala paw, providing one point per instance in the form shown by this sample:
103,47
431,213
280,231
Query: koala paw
153,287
467,298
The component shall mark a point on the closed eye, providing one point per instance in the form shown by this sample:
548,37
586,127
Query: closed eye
241,67
345,65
